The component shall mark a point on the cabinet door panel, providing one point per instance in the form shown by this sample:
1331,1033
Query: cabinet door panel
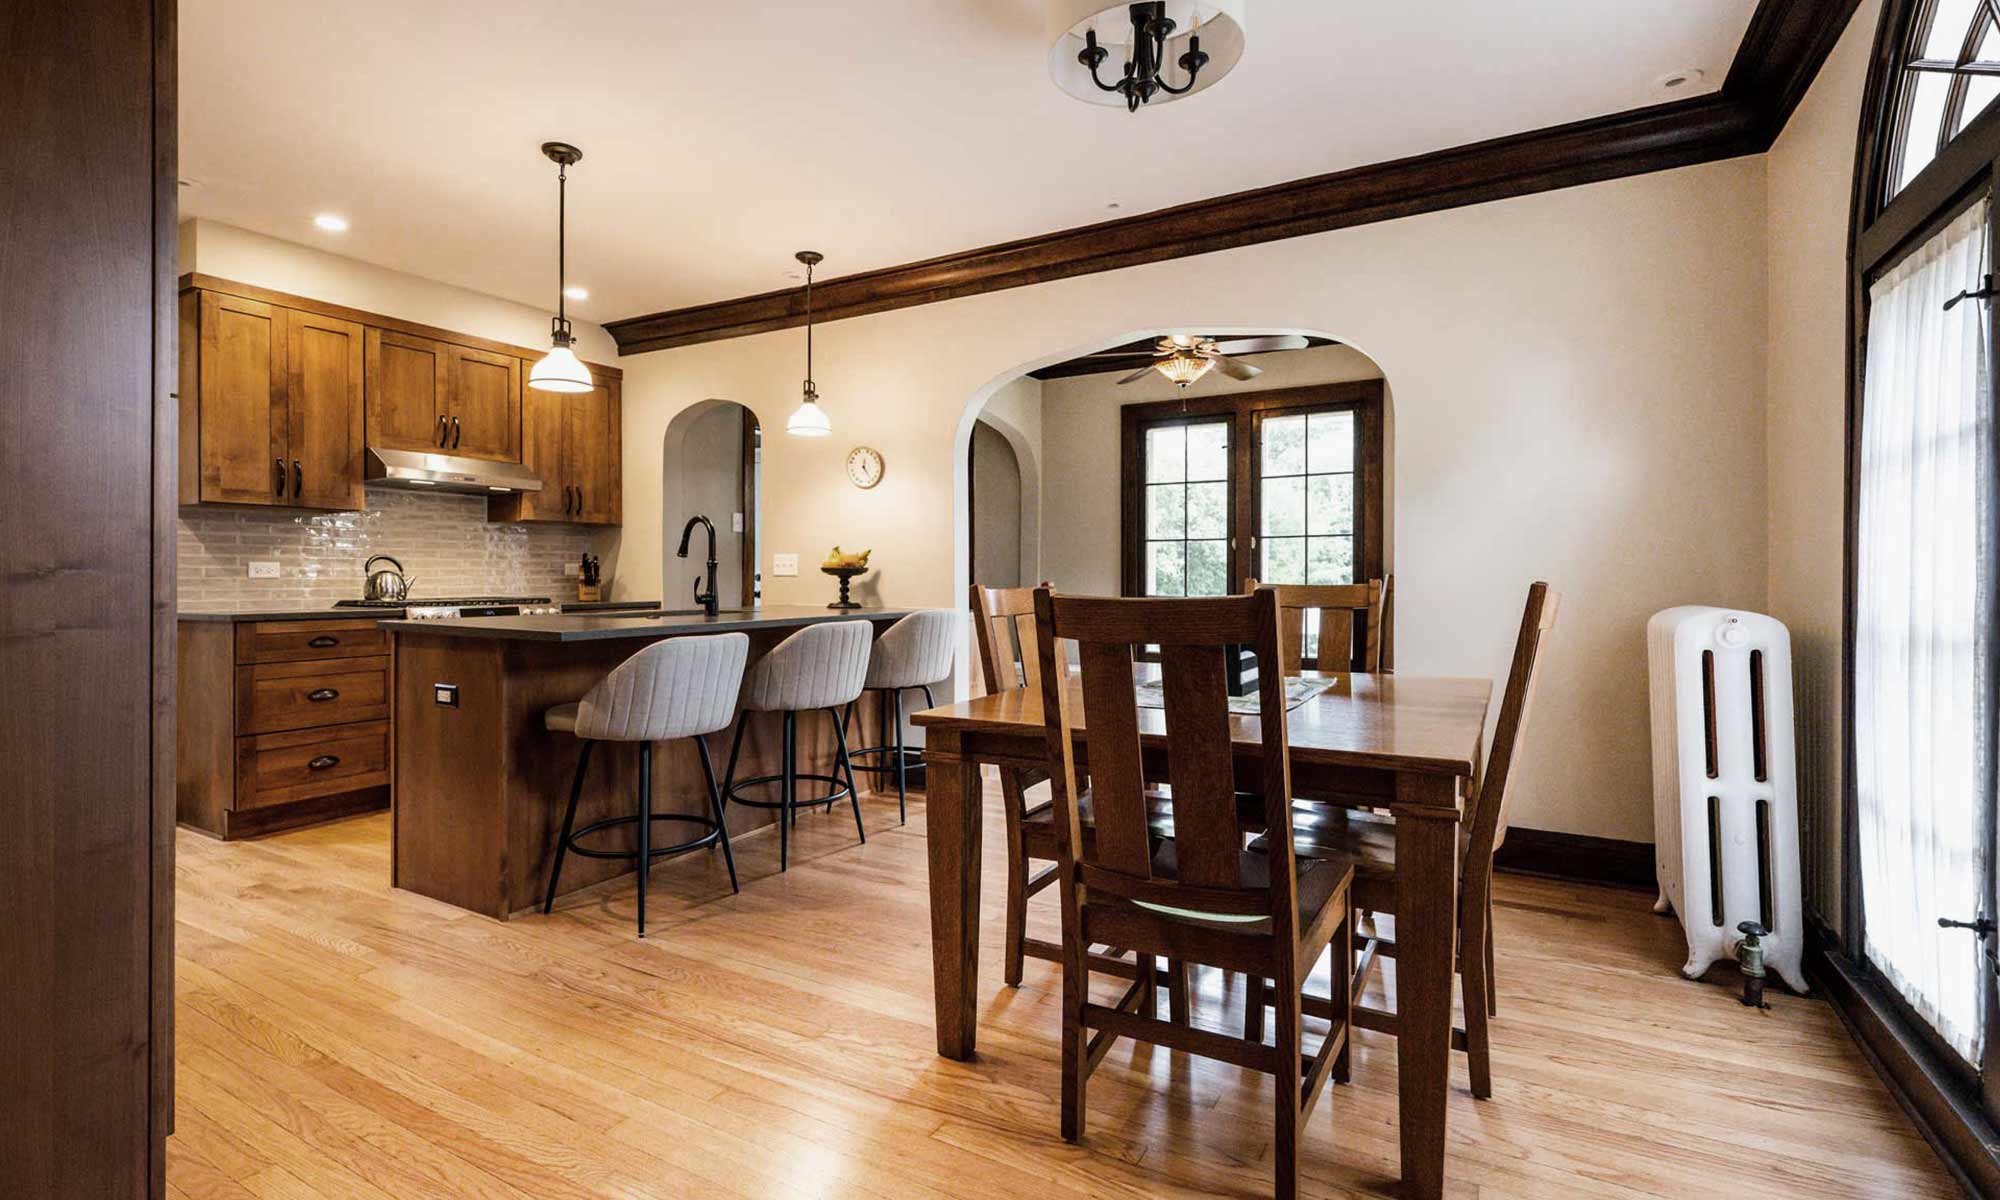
407,391
324,393
593,441
485,404
243,410
544,416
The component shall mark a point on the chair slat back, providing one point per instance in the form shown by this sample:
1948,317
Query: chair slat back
1006,626
1192,635
1489,813
1338,605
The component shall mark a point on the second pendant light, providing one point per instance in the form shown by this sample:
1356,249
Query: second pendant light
810,419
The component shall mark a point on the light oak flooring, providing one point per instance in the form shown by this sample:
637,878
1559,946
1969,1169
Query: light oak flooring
340,1039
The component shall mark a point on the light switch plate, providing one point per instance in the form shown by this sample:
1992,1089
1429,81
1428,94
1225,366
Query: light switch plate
263,570
736,522
784,564
573,570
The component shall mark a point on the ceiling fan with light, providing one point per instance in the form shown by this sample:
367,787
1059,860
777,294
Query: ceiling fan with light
1186,357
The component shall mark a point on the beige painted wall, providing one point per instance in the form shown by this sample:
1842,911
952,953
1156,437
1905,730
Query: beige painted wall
1808,177
1579,380
711,468
1015,411
1080,432
996,509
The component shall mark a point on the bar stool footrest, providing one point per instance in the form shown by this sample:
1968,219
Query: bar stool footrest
712,838
731,794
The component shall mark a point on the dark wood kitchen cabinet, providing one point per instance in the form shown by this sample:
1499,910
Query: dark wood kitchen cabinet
485,412
280,723
575,443
409,391
271,405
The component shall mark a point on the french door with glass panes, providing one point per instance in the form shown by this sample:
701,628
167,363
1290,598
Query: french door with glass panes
1281,486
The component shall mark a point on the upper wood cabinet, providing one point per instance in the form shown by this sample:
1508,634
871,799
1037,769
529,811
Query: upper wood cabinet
281,396
575,443
271,405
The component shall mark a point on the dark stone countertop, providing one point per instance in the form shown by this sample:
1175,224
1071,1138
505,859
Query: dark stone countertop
588,627
288,614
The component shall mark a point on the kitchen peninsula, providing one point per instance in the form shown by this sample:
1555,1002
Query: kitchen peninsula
480,785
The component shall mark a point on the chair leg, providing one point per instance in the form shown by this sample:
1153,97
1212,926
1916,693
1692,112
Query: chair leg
1017,882
1177,990
788,785
645,826
1253,1008
715,804
1472,980
735,751
569,823
1492,984
1148,970
1285,1148
846,767
902,767
1342,975
1075,1054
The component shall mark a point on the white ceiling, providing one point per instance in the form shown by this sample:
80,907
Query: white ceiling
718,138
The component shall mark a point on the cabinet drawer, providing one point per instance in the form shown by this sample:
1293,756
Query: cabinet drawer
302,695
302,641
279,767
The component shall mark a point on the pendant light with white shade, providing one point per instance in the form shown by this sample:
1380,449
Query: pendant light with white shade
810,419
560,370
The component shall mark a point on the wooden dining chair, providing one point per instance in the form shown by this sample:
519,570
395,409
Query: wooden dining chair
1369,840
1342,608
1198,896
1005,623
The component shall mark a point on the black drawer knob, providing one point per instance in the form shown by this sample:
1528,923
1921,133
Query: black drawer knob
323,641
322,695
323,762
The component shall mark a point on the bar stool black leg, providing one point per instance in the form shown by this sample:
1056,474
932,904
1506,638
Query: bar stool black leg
735,748
715,803
902,767
788,814
569,823
645,826
847,768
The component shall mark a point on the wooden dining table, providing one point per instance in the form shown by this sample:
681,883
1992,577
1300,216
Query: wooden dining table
1406,744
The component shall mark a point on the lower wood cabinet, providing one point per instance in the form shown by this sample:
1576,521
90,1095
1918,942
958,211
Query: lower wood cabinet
281,723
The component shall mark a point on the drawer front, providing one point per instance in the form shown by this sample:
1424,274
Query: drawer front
271,697
303,641
279,767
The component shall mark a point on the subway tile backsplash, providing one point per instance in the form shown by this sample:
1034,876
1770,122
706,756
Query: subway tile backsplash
445,543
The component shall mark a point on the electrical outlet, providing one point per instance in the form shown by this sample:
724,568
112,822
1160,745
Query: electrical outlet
736,522
263,570
784,564
573,570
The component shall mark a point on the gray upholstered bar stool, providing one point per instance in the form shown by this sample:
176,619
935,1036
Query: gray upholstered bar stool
677,688
915,652
819,667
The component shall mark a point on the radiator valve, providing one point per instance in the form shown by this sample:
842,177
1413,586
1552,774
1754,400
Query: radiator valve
1750,958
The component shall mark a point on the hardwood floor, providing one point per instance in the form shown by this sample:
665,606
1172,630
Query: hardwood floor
340,1039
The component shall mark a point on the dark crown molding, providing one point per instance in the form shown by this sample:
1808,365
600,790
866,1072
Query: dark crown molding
1782,50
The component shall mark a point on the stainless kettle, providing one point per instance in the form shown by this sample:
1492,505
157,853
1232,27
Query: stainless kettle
385,585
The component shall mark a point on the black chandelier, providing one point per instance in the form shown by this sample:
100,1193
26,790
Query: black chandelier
1151,29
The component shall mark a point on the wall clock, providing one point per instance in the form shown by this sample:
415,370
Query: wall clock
864,466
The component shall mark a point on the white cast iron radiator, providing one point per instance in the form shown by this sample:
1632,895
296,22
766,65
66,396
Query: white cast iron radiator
1725,783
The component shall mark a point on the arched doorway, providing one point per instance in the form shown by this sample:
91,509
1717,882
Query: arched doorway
712,463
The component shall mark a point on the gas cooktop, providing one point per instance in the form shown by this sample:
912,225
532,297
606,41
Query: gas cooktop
442,602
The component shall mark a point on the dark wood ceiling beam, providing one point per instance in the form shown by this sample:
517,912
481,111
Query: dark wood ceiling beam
1783,48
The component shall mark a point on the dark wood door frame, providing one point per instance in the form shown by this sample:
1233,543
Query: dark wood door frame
1781,51
87,624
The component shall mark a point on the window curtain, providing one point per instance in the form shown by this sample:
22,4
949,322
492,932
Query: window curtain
1923,604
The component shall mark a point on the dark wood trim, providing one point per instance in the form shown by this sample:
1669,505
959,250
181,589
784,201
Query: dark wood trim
1782,50
1577,856
1365,396
165,582
250,291
1938,1101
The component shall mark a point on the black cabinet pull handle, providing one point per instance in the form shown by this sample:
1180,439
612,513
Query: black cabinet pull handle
323,641
457,432
323,762
298,479
322,695
281,476
574,503
444,431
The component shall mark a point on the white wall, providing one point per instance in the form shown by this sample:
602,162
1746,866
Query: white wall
996,510
1579,380
710,464
1809,175
1015,411
1081,431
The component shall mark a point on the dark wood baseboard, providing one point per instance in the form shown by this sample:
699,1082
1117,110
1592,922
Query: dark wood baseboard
257,822
1940,1103
1577,856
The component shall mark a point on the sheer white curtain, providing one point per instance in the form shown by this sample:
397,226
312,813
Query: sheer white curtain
1922,725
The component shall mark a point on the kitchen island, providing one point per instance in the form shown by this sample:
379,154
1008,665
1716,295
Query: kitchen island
480,785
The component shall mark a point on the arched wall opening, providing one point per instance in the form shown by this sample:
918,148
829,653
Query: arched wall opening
711,464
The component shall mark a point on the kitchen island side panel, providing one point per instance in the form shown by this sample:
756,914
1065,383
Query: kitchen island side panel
450,776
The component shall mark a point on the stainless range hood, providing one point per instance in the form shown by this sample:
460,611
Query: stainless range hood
419,471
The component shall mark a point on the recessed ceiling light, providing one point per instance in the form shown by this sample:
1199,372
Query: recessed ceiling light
331,222
577,293
1678,81
1111,207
